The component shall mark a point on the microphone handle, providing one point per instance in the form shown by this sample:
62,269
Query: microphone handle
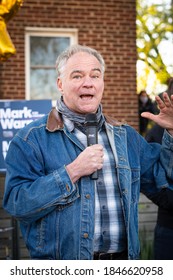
92,138
94,176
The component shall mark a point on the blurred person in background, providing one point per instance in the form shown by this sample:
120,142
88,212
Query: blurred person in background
145,105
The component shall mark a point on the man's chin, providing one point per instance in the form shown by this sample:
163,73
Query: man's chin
88,110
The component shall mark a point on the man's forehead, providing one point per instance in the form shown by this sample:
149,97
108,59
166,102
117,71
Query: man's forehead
83,58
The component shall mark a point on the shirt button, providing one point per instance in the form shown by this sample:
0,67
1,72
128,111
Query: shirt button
99,183
85,235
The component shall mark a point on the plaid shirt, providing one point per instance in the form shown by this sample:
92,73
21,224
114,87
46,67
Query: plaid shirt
110,235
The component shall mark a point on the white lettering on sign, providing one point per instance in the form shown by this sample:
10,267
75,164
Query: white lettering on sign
15,114
5,146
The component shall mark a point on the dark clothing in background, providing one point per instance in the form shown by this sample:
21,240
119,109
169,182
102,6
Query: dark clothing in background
163,245
163,233
155,134
144,107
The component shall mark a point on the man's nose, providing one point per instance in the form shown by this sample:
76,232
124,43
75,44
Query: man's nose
88,81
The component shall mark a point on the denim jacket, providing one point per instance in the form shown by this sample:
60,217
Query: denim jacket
56,216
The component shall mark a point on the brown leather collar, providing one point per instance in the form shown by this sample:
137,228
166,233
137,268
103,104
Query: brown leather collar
55,122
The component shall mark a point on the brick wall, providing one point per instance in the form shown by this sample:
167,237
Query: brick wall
108,26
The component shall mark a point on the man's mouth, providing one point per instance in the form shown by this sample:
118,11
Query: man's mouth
86,96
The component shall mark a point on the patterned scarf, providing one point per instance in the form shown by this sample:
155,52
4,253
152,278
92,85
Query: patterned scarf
79,119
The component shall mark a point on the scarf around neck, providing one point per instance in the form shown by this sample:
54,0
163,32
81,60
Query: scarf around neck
76,118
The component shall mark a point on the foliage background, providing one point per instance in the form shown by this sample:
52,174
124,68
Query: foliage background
154,45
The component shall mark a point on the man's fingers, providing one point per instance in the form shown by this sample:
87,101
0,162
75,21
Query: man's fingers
148,115
166,102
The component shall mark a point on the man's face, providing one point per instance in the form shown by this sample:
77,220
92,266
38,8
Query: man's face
82,83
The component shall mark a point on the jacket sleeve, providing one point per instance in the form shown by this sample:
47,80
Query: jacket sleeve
164,198
30,193
166,155
157,180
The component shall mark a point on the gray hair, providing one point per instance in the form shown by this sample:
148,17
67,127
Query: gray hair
70,51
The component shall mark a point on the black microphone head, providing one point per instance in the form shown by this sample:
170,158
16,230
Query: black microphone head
91,119
91,127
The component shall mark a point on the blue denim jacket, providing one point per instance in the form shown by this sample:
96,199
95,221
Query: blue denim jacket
57,216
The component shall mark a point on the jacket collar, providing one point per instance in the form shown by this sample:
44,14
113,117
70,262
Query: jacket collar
54,121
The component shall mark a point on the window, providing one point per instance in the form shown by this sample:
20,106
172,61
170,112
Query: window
41,51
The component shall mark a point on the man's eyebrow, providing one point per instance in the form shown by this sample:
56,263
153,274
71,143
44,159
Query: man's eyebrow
97,69
76,71
80,71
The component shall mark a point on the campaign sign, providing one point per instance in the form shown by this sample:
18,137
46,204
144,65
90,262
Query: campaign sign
13,116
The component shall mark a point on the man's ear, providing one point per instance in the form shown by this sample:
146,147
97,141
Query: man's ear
59,85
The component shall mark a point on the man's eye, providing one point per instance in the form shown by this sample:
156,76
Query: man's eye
95,76
77,77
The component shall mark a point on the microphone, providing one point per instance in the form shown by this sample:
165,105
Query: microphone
92,134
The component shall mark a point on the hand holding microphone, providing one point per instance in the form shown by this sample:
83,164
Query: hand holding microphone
91,159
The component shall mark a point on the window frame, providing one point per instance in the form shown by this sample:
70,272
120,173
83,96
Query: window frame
72,33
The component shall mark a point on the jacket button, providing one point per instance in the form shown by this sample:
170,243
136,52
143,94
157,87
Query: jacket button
85,235
67,187
87,196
